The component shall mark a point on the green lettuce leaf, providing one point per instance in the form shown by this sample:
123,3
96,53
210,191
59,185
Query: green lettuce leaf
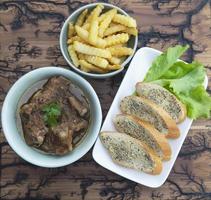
163,62
186,83
190,91
182,79
179,69
198,103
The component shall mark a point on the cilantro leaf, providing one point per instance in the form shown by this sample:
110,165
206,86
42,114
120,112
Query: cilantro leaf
52,112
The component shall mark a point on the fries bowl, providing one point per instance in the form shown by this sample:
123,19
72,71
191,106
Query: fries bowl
101,73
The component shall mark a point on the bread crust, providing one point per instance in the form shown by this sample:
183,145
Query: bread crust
171,124
157,161
158,165
183,114
173,130
158,137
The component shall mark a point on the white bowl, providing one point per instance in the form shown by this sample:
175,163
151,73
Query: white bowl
132,43
11,130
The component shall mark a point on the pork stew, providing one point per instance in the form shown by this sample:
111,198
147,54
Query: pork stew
56,118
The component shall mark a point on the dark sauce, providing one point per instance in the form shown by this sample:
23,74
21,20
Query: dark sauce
72,123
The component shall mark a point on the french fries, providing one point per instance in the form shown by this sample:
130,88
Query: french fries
71,30
96,11
106,21
81,18
114,29
120,28
121,51
84,34
100,62
131,31
113,67
89,50
74,38
81,56
97,41
116,39
83,66
125,20
102,17
119,45
73,55
90,68
86,26
93,29
114,60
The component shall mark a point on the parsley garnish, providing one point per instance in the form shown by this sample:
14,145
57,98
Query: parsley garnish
52,113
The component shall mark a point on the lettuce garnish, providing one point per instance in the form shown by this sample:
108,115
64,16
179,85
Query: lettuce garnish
185,80
163,62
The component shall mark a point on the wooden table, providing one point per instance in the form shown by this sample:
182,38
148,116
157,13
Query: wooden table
29,39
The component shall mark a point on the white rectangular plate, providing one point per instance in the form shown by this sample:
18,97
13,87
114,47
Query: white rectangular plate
136,72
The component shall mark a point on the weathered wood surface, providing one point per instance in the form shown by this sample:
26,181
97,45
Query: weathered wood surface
29,32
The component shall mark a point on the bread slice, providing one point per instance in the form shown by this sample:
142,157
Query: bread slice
144,132
130,152
162,97
152,113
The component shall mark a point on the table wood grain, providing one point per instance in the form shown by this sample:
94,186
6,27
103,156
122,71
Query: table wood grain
29,39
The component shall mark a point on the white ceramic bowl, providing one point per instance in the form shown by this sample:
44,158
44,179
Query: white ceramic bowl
13,135
132,43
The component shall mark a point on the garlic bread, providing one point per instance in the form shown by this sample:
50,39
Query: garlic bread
130,152
147,111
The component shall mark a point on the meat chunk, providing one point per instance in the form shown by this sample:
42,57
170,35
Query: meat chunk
54,90
34,127
50,132
79,107
59,140
83,124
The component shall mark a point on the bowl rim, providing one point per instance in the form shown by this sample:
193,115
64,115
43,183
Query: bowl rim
93,75
15,145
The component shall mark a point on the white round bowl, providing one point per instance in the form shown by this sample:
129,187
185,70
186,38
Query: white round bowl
13,135
132,43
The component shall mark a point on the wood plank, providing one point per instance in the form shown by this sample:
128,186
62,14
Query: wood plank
29,39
